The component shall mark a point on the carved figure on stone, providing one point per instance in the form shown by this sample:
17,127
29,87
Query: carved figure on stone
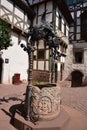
45,105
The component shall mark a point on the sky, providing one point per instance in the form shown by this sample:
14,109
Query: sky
72,1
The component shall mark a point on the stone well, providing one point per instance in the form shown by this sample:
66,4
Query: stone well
45,102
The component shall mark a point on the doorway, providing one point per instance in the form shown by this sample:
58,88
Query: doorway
76,79
1,69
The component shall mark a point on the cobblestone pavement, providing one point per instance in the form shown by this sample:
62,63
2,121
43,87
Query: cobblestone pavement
75,97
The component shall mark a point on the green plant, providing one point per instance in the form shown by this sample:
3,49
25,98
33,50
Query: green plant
5,35
36,82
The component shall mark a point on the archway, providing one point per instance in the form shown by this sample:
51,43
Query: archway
1,69
76,79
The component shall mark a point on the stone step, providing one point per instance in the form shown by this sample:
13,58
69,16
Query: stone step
59,123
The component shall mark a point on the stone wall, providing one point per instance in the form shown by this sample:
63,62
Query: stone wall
43,76
85,67
68,63
70,66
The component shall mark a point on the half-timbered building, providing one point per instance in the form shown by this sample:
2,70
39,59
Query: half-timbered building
18,15
76,63
45,68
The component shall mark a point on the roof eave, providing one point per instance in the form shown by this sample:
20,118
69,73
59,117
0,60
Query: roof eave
65,11
25,7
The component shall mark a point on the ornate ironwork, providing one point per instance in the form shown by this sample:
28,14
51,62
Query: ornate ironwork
44,31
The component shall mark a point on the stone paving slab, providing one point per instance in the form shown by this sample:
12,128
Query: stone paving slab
5,118
74,101
77,120
75,98
58,123
4,125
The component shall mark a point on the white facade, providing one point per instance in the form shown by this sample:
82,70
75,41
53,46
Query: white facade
62,33
43,64
15,60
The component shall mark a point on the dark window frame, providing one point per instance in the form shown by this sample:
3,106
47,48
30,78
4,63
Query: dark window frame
78,57
60,22
41,54
84,25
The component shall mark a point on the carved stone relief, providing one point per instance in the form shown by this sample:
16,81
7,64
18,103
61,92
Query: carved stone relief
45,102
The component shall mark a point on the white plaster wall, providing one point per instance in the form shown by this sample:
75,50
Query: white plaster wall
47,65
41,44
49,6
9,7
35,65
19,17
27,24
85,60
7,4
47,54
49,17
41,9
18,61
19,12
40,65
39,20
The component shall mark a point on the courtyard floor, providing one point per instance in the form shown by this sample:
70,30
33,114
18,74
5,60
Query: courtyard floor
73,100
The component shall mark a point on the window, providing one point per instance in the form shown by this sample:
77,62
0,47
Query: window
60,22
84,25
78,57
41,54
65,29
78,36
34,57
78,29
78,21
